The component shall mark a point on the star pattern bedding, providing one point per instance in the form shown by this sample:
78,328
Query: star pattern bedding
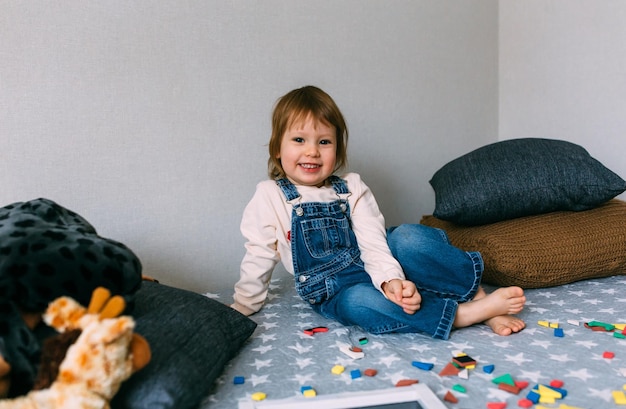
280,358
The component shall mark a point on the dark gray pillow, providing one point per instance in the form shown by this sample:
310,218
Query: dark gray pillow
192,337
521,177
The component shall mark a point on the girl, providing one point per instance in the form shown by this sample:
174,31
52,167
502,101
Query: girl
329,233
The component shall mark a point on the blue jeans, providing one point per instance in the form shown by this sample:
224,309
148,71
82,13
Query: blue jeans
330,274
444,275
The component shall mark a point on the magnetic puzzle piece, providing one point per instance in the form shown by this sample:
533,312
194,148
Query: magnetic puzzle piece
509,388
308,391
449,370
426,366
619,397
546,394
406,382
464,373
370,372
548,391
506,378
311,331
496,405
600,326
355,373
258,396
459,388
557,383
349,350
533,396
546,399
449,397
464,360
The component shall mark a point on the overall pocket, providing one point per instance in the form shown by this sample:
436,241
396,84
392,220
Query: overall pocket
326,236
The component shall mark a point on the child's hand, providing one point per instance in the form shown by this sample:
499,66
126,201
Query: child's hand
404,293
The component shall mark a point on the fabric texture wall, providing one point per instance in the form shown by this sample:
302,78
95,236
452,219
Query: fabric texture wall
561,74
151,119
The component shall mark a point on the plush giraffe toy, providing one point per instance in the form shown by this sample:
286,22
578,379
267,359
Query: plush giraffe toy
106,353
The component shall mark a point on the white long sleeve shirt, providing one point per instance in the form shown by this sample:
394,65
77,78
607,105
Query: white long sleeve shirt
266,223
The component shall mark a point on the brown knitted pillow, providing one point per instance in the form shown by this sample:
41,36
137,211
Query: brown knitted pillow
548,249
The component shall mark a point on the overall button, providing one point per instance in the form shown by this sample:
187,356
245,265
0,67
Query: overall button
312,301
302,279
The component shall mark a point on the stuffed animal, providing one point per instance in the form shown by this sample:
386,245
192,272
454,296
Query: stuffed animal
105,354
48,251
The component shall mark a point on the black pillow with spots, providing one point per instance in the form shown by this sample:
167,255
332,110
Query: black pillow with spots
47,251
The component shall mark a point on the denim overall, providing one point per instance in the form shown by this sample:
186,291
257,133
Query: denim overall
331,277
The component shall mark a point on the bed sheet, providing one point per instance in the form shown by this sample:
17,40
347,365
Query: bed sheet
280,358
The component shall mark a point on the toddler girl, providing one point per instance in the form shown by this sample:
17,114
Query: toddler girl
329,233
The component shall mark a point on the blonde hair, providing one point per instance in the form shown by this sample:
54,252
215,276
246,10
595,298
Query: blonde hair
296,106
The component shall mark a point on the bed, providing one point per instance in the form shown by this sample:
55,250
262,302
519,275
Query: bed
280,358
544,216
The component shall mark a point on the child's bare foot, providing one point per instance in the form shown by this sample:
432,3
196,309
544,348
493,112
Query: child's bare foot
505,324
487,307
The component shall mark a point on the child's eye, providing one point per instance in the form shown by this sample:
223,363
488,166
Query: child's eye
326,142
298,139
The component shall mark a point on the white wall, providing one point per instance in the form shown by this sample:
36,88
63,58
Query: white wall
150,119
563,74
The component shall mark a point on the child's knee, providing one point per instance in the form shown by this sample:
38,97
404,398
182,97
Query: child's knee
414,238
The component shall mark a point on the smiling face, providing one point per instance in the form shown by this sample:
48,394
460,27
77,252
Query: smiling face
307,109
308,152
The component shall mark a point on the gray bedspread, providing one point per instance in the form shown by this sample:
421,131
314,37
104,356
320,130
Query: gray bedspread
279,359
